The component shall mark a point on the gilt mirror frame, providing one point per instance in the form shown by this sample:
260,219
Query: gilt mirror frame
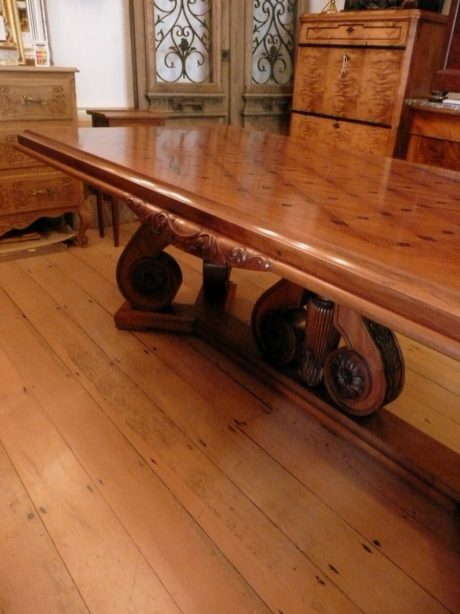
9,27
11,39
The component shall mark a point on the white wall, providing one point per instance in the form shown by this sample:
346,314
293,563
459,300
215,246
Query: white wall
316,6
94,36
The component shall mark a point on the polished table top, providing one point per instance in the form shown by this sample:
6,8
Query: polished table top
379,233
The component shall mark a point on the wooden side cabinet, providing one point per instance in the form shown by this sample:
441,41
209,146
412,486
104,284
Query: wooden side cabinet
434,134
36,98
354,71
104,118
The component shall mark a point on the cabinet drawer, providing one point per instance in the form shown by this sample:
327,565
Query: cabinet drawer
441,126
34,98
352,83
355,32
342,134
42,191
436,152
10,156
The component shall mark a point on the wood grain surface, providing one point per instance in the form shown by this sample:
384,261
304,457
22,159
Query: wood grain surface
149,473
377,234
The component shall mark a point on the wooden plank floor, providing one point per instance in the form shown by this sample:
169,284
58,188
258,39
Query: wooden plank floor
149,473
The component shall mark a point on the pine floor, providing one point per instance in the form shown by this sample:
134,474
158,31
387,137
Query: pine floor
148,473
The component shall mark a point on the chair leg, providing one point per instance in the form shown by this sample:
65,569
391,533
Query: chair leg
115,205
100,212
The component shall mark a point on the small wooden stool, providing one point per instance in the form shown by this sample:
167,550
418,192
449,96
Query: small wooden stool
102,118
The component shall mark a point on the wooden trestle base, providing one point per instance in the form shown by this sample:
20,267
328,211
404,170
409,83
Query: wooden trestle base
294,328
180,319
293,344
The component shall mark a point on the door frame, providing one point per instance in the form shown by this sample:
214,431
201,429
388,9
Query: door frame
230,96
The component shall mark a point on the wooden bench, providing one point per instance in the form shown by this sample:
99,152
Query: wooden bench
364,245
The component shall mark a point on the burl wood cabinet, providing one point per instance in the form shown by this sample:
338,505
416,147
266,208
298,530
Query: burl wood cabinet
434,134
36,98
354,71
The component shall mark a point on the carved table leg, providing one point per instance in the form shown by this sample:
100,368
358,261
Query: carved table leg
216,281
278,322
85,221
369,371
321,337
149,279
296,328
293,326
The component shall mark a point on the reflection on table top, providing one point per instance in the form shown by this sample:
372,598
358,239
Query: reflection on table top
379,228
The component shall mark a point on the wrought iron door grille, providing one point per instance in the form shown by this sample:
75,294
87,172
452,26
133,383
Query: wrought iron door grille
183,40
273,41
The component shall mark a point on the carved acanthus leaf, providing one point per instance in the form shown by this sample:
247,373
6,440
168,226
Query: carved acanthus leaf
197,240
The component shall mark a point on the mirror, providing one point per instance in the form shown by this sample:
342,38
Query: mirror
11,51
23,33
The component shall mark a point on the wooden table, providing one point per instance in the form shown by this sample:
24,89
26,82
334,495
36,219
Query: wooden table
363,244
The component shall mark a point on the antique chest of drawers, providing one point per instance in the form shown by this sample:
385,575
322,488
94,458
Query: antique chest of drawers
355,69
36,98
434,134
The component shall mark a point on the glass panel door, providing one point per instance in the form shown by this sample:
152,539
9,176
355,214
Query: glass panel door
270,44
226,61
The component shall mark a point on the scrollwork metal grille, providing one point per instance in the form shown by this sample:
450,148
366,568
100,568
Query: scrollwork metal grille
183,40
273,41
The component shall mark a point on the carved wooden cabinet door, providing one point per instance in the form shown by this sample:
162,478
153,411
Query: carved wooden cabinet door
228,61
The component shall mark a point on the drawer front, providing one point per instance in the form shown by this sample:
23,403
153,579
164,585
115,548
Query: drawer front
10,156
39,192
436,152
441,126
35,98
354,32
360,137
357,84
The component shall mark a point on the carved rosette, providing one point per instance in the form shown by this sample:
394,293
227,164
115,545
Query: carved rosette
369,372
154,282
197,240
349,376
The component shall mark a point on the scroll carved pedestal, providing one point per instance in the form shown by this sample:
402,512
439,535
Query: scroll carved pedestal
302,331
149,278
296,331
